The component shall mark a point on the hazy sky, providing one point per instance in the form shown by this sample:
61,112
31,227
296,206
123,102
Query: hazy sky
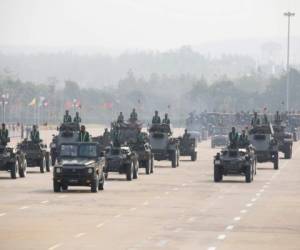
152,24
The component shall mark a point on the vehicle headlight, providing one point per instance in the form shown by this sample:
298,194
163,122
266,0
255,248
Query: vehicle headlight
58,170
90,170
217,162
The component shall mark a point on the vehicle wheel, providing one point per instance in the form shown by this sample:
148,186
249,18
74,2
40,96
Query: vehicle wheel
106,176
23,168
248,174
14,169
64,187
275,163
194,156
53,159
288,153
173,160
129,172
177,158
152,164
56,186
148,166
48,162
101,182
136,170
95,185
217,174
43,165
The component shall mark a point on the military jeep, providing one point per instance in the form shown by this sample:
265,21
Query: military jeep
219,137
235,162
188,147
121,160
67,132
79,164
164,146
284,140
13,162
36,155
266,147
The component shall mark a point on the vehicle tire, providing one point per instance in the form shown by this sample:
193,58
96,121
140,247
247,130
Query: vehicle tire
275,163
101,182
14,169
152,165
43,165
288,153
106,176
194,156
23,168
95,185
136,170
56,186
64,187
129,172
177,158
217,174
173,159
148,166
48,161
248,173
53,160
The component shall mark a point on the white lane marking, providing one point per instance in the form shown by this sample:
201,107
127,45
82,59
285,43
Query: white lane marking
175,189
237,218
146,203
262,190
79,235
243,211
2,214
62,196
221,237
230,227
211,248
132,209
24,207
254,199
44,202
100,225
55,246
265,186
177,230
183,184
249,205
117,216
166,193
162,243
192,219
258,194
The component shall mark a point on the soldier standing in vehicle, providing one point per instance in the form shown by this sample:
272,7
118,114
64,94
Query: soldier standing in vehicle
233,138
186,135
166,120
67,117
133,116
277,117
243,140
140,136
115,136
3,135
255,120
35,135
156,118
77,118
84,136
120,118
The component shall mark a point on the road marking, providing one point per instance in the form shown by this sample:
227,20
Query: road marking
62,196
44,202
230,227
262,190
132,209
55,246
249,205
24,207
237,218
162,243
192,219
146,203
243,211
265,186
117,216
2,214
221,237
258,194
254,199
100,225
211,248
79,235
166,193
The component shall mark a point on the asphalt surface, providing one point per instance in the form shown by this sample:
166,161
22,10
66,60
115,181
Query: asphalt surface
178,208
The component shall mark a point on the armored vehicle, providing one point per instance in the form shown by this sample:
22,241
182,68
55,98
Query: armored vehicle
266,148
195,134
284,140
219,137
79,164
121,160
68,132
13,162
188,147
164,146
36,155
235,161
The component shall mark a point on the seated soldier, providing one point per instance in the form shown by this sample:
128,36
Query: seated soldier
233,138
84,136
35,135
243,140
67,117
133,116
4,135
156,118
166,120
120,118
77,118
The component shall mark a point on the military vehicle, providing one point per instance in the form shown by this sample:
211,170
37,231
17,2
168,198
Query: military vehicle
188,147
219,137
68,132
79,164
164,146
36,155
284,140
195,134
121,160
235,161
266,148
13,162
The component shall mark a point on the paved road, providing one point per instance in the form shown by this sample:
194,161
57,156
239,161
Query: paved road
173,209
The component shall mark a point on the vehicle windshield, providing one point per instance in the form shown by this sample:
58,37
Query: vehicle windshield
88,151
69,150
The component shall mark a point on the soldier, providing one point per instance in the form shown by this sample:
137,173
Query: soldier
133,116
243,140
186,135
77,118
4,135
35,135
120,118
277,117
84,136
156,118
233,138
265,119
67,117
106,133
140,136
115,136
255,120
166,120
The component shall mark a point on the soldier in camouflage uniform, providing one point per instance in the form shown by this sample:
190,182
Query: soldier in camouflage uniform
67,117
156,118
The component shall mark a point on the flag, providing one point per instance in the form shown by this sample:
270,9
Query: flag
32,103
41,101
107,105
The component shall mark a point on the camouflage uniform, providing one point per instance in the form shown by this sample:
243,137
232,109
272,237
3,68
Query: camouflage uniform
233,138
35,136
3,136
156,118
